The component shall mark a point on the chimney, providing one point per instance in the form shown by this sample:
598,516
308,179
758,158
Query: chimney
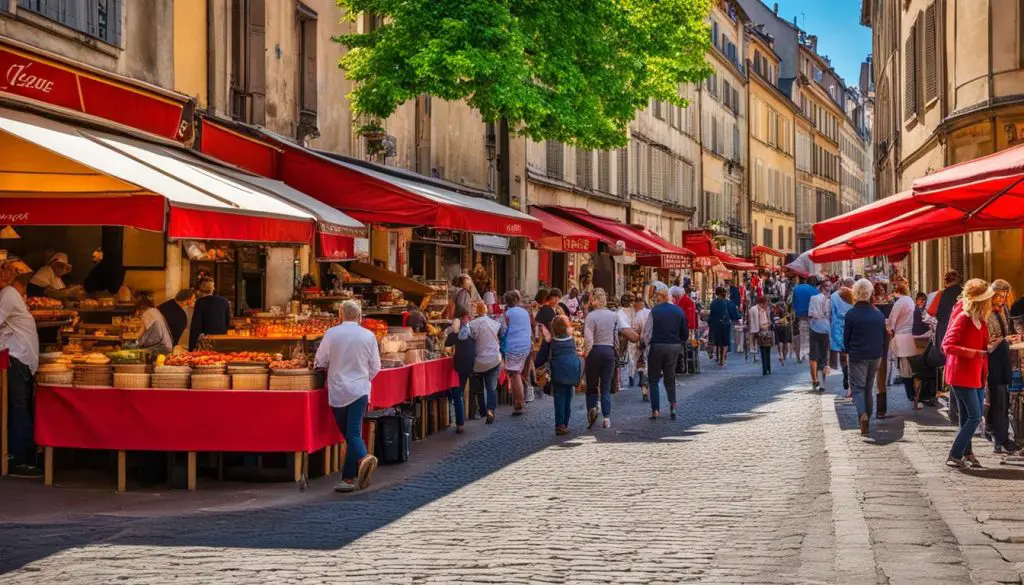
775,9
812,40
794,22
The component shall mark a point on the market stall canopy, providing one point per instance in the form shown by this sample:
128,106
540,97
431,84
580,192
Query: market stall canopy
766,251
562,235
671,255
992,185
413,289
703,245
802,266
870,214
734,262
130,182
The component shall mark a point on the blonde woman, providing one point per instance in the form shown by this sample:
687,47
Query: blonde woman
966,347
1000,370
600,331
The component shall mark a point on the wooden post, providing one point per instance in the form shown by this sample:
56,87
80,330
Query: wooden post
337,457
122,468
445,413
3,422
297,465
191,471
48,465
423,418
372,424
327,460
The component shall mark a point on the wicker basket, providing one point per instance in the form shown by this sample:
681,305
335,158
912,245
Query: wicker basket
173,370
131,369
211,382
247,369
249,381
131,380
304,382
99,381
170,381
209,370
55,378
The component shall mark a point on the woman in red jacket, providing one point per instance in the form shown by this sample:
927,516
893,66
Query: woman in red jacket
966,349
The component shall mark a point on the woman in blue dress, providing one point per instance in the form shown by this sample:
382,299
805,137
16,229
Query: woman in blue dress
723,314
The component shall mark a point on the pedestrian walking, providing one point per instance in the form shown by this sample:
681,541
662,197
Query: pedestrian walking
819,313
351,357
518,327
640,315
801,302
759,319
864,340
19,337
1000,370
720,319
904,345
783,314
842,301
600,333
465,357
572,302
966,348
664,333
566,370
484,331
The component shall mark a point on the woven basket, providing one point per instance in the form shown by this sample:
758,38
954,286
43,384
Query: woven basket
176,370
131,369
209,370
55,378
306,382
131,380
171,381
103,381
211,382
249,381
233,370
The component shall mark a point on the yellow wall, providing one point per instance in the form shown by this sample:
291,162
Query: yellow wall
190,49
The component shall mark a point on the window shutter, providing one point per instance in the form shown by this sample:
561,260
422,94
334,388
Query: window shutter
910,74
604,159
623,172
555,154
931,83
309,88
257,59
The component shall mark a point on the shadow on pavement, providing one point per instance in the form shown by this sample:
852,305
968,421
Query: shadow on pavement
329,522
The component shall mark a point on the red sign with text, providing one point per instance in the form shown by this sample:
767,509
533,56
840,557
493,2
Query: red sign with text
37,78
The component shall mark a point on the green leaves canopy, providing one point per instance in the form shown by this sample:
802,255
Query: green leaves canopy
575,71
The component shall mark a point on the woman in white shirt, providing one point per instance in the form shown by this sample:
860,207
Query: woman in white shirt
156,335
485,331
759,321
600,334
904,344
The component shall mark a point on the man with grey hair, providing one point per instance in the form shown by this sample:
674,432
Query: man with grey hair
842,301
864,339
351,357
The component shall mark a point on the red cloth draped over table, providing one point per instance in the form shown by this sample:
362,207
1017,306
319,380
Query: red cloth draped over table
390,387
432,376
183,420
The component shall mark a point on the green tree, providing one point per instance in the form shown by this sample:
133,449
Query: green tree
575,71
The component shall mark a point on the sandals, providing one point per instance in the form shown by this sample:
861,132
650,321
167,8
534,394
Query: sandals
973,461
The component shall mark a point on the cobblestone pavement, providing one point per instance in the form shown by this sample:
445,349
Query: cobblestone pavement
735,491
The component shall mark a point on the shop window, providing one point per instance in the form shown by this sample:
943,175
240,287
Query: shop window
99,19
555,156
248,61
767,237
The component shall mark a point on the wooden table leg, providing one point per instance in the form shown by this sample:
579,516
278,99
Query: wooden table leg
191,471
423,418
327,460
48,465
3,422
297,466
122,468
445,413
371,444
336,455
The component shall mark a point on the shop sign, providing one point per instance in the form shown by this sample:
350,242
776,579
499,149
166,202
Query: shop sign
625,257
427,234
576,244
675,261
37,78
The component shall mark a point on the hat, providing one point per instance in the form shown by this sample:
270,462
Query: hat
977,290
59,257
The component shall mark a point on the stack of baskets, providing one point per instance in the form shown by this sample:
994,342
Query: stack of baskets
249,376
170,377
210,378
55,374
292,380
131,376
93,375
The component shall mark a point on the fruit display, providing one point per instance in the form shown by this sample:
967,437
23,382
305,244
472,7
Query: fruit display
292,364
215,358
310,328
378,327
127,356
37,303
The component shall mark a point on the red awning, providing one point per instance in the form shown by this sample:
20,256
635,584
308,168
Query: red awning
970,186
734,262
651,249
766,251
239,149
144,212
672,256
700,242
562,235
35,76
871,214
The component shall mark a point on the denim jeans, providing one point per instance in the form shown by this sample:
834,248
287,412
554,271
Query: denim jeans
766,359
350,423
999,414
490,382
970,416
19,399
458,400
600,369
563,402
661,363
862,382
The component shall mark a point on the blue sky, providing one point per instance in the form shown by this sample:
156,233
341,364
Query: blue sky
837,24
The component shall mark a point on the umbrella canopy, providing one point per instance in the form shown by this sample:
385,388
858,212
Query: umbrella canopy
975,185
871,214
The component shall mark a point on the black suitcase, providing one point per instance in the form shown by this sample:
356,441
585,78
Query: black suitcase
394,435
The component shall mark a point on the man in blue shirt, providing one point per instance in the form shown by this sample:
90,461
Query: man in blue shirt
801,303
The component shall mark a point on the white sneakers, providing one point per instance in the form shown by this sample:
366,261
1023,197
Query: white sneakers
606,423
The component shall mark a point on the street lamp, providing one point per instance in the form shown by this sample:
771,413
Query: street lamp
490,142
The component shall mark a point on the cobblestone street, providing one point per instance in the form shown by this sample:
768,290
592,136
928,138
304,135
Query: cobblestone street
759,481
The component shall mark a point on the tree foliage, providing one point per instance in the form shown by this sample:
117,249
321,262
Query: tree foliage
575,71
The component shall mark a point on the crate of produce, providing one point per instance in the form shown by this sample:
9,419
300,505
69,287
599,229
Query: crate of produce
132,380
211,382
55,375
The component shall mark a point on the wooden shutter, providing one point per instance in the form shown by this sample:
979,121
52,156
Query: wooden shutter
256,53
910,74
604,163
931,57
309,85
622,169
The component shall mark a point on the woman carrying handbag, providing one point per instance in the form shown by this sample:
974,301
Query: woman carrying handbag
759,321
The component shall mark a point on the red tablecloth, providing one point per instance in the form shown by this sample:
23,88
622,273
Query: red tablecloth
390,387
4,359
432,377
183,420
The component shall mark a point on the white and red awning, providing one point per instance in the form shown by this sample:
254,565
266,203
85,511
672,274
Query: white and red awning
59,174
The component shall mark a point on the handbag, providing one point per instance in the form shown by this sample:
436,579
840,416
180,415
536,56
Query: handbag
766,338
